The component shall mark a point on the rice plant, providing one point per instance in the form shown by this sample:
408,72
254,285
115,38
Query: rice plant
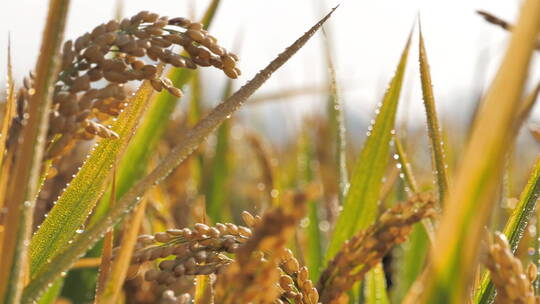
107,197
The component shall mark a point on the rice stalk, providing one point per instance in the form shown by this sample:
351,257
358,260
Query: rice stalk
106,255
471,197
120,266
22,190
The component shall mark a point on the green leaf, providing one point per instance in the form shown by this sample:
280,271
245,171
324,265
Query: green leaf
361,202
375,286
52,294
411,261
177,155
434,131
306,155
217,189
315,251
410,179
405,165
79,198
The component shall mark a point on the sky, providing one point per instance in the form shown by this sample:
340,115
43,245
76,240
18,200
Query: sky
366,37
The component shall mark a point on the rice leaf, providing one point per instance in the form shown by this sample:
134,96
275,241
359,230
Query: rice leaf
337,123
188,143
216,189
9,111
24,182
405,165
411,261
106,253
410,179
79,198
52,294
361,202
375,286
9,107
473,192
283,94
122,261
314,250
434,130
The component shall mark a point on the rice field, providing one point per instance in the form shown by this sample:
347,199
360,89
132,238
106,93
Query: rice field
120,183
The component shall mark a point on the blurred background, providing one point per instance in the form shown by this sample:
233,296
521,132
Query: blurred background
366,38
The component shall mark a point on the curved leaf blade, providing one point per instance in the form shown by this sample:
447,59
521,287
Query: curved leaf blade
434,131
375,286
80,197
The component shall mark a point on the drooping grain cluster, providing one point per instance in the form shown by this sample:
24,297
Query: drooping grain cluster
197,251
251,267
364,250
295,283
514,283
119,52
254,275
186,252
294,280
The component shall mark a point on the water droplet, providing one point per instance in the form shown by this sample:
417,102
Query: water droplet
324,226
